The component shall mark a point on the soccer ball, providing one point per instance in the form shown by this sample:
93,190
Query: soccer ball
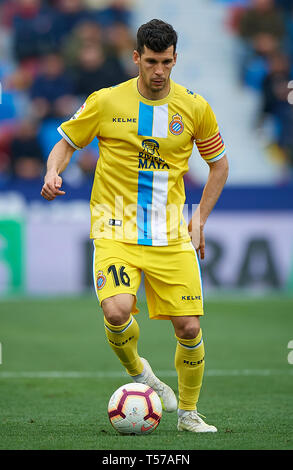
135,408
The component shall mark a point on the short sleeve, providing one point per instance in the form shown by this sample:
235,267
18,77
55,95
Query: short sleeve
83,127
208,138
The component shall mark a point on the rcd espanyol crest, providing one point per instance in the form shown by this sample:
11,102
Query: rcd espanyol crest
176,126
101,280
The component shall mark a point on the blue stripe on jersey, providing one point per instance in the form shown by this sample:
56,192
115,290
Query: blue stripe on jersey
144,204
145,119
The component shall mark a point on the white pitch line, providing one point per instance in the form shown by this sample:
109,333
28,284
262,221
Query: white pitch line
120,374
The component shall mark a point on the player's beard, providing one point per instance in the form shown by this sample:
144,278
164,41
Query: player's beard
158,85
153,90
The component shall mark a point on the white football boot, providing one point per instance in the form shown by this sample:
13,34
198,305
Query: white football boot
191,421
166,394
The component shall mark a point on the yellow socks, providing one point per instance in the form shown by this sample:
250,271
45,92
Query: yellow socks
189,363
189,359
123,340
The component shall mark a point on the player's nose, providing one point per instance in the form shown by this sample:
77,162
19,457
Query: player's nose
159,71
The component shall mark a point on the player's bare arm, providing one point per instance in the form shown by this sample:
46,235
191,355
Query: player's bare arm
216,180
56,164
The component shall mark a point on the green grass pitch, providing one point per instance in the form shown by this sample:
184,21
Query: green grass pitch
58,373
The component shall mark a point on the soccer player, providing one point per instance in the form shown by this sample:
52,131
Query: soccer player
147,127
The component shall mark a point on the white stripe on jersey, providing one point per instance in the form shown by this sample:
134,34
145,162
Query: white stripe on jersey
158,213
160,121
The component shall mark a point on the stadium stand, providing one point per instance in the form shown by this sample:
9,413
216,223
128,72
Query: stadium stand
56,52
265,32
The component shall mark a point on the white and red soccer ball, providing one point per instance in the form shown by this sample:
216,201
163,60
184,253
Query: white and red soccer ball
135,408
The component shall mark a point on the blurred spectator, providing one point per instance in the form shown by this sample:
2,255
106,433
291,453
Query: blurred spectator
118,11
279,72
4,166
265,31
121,43
288,42
21,78
255,66
5,49
26,153
276,105
95,71
283,114
261,28
87,33
261,18
70,13
6,134
52,91
286,5
54,53
33,33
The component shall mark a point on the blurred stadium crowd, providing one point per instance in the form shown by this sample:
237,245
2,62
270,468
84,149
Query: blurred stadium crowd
264,29
54,53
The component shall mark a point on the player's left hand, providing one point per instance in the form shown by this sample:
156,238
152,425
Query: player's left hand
196,232
202,244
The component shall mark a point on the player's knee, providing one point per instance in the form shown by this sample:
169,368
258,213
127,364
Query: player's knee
116,316
117,309
189,333
188,329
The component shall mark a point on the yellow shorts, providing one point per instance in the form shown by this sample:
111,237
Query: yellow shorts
171,276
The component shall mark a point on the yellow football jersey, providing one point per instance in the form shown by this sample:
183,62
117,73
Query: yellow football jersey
138,193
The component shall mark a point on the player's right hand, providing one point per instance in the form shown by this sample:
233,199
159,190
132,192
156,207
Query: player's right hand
51,187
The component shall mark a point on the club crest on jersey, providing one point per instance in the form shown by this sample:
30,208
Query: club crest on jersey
176,126
101,280
151,147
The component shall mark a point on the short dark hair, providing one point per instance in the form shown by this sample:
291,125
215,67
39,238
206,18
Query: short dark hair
157,36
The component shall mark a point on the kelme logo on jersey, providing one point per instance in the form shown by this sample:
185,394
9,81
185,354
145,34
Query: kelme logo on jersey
101,280
123,119
176,126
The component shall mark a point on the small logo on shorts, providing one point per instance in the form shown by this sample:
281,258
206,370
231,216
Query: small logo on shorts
101,280
190,297
176,126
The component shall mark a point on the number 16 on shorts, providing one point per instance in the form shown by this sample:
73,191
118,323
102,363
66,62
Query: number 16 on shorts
112,274
113,280
119,276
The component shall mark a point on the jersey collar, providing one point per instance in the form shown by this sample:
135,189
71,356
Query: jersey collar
154,102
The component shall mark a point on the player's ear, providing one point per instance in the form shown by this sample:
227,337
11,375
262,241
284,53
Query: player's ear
175,58
136,57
